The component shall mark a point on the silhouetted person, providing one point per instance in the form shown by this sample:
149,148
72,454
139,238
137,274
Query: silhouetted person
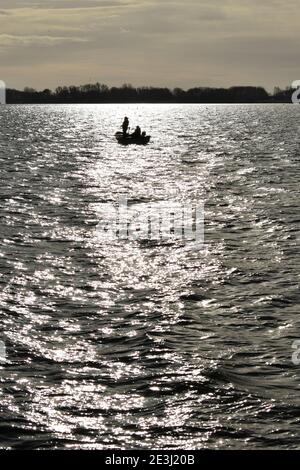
125,126
144,134
137,132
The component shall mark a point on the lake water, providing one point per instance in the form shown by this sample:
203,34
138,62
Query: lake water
142,344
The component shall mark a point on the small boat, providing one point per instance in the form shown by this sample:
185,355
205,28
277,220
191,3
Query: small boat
142,140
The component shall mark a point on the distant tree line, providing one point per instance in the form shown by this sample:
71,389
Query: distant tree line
99,93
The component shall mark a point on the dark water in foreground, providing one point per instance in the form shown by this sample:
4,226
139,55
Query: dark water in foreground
136,344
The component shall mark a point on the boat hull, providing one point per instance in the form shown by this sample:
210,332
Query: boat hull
132,140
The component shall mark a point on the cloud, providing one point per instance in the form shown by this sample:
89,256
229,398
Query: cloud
66,4
71,4
11,40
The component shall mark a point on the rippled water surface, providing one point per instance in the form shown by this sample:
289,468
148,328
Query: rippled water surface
149,344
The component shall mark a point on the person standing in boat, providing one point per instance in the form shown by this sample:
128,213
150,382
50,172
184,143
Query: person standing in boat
125,126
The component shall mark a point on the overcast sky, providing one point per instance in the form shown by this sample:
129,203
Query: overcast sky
149,42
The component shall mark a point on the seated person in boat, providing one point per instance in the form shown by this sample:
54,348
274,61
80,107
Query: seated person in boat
137,133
